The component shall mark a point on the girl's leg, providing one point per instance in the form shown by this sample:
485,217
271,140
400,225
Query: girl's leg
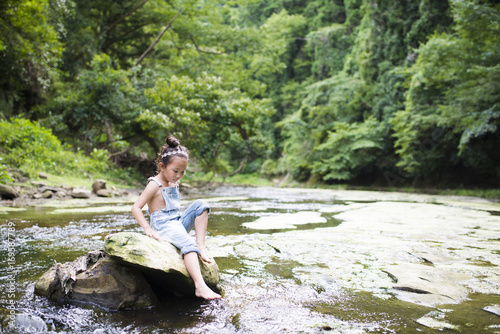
193,267
200,226
196,216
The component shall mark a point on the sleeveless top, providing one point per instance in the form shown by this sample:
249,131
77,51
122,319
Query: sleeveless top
172,199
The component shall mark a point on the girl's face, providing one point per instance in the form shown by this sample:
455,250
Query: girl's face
175,170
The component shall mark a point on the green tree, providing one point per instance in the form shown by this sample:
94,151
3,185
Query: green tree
96,110
344,119
450,123
121,29
219,126
30,52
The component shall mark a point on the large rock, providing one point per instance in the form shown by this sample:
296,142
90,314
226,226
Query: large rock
98,185
8,192
96,279
159,261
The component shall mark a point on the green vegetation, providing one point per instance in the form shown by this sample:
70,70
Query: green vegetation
354,92
29,149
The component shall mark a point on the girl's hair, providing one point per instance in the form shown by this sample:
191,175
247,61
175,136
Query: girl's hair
172,149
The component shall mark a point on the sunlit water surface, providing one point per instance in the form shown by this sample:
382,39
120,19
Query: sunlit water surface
289,260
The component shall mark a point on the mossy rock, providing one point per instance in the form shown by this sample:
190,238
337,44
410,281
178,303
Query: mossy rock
159,261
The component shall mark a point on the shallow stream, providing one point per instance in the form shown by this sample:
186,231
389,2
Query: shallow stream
291,261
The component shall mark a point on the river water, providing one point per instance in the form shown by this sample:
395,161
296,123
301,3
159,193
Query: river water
291,261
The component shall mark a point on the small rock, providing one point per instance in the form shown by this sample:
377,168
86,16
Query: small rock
104,193
38,184
43,175
53,189
47,194
81,193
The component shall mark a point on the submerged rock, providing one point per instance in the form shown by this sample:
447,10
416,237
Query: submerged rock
96,279
159,261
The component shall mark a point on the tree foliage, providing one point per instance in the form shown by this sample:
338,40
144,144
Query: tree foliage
337,91
207,117
453,100
95,110
30,52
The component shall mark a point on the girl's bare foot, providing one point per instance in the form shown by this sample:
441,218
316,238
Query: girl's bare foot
204,254
206,293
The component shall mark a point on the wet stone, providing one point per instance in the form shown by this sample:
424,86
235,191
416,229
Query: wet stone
96,279
38,183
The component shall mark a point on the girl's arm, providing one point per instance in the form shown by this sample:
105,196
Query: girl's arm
146,195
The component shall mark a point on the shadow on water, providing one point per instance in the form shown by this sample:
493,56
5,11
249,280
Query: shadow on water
270,285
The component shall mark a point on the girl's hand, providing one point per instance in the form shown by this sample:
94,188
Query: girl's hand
152,233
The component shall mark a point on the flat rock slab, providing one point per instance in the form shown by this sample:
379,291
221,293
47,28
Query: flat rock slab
159,261
427,285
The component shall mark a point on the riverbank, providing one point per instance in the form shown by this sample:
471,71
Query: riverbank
28,191
53,188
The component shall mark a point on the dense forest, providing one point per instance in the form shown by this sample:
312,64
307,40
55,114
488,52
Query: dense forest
371,92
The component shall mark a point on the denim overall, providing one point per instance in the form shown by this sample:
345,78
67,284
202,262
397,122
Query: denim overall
173,225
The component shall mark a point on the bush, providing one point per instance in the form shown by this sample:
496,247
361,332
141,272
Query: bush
31,148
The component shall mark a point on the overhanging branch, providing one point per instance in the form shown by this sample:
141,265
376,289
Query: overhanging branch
157,38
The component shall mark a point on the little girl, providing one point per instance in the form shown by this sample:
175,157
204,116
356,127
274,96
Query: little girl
167,221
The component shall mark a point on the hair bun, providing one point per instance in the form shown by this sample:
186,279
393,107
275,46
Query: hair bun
172,141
